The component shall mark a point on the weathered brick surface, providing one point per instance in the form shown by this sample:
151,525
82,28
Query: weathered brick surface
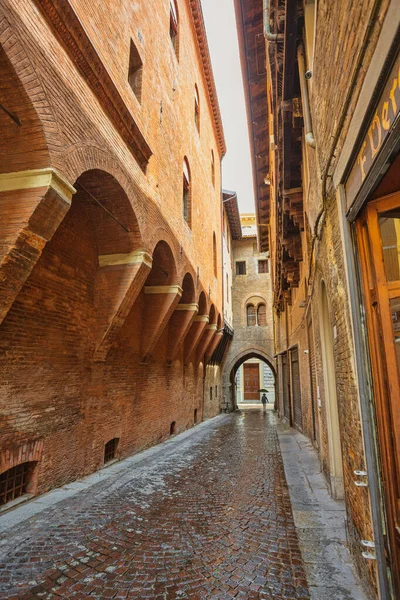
74,336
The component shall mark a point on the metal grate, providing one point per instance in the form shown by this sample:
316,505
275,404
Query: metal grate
110,449
14,482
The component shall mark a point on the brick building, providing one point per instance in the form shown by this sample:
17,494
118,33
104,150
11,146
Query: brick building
325,146
252,343
111,268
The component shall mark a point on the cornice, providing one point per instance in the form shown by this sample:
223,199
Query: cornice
198,22
66,24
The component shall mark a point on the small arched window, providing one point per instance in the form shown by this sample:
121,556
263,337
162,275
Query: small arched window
215,255
212,168
261,315
197,107
186,194
251,315
16,482
173,26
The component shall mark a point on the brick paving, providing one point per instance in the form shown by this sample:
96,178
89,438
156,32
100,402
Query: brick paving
207,517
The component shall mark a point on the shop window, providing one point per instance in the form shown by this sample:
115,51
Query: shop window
187,193
172,428
14,483
197,108
263,266
110,450
173,26
251,315
241,267
261,315
135,72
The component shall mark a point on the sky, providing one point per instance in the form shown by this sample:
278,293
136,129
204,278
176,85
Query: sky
219,17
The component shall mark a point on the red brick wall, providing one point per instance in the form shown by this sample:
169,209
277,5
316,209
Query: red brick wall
52,386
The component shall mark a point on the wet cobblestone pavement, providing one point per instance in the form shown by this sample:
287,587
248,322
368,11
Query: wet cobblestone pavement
208,517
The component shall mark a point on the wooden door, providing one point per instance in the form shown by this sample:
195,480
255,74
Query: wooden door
296,388
251,375
285,388
378,234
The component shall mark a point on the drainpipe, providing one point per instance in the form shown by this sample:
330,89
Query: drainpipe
270,37
304,95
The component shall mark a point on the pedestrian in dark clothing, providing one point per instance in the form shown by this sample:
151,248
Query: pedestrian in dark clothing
264,401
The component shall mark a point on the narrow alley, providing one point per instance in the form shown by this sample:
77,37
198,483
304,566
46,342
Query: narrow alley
205,515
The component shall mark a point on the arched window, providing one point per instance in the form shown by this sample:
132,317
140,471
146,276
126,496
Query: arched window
212,168
173,25
251,315
261,315
197,108
186,194
215,255
16,482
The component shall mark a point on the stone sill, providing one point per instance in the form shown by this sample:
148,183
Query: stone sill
16,502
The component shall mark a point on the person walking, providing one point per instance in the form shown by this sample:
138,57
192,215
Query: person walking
264,401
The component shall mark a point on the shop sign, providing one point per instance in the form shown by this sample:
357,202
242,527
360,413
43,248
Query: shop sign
379,128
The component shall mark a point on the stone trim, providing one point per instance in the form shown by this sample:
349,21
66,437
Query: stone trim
163,289
205,318
188,307
131,258
36,178
212,326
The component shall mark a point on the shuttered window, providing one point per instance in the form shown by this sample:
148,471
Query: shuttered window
251,315
261,315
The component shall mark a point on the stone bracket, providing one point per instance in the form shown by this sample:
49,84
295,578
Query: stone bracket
206,339
179,326
127,274
38,201
160,304
199,323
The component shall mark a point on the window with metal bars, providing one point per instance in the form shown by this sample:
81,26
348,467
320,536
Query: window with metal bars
263,266
241,267
172,428
110,450
15,481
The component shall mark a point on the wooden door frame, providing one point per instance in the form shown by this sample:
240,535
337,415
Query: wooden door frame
377,292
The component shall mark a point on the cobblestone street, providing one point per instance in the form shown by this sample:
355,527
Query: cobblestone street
208,517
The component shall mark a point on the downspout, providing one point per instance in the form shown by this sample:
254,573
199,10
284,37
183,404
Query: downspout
304,95
270,37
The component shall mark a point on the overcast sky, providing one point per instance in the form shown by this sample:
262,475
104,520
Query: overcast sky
219,16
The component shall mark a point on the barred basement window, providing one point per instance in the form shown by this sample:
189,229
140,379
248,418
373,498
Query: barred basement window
135,72
110,450
172,428
14,482
210,393
263,266
195,416
241,267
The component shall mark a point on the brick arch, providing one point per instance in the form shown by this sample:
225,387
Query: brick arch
212,315
37,142
244,355
203,303
164,269
82,157
188,289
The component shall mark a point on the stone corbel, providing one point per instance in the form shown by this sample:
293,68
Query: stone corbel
179,326
206,339
199,323
161,302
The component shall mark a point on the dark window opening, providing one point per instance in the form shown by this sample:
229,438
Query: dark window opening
135,72
195,416
215,256
241,267
263,266
197,108
186,194
110,450
172,428
216,391
210,393
251,315
14,483
212,168
173,26
262,315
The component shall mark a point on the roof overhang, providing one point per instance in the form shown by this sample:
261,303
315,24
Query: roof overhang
230,202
